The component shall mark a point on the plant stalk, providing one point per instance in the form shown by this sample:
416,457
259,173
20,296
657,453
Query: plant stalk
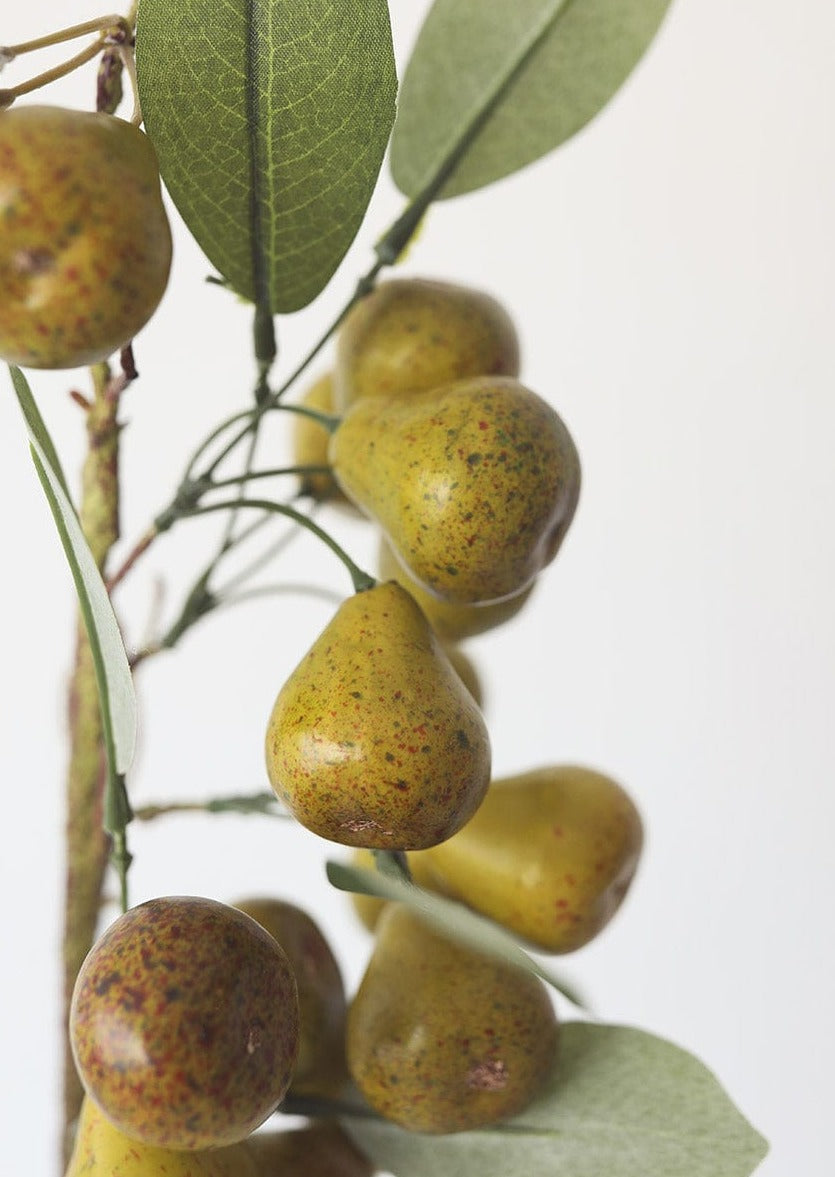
87,845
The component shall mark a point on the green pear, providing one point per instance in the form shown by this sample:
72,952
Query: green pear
550,855
374,740
184,1023
309,441
101,1150
442,1038
410,335
322,1149
320,1067
474,483
451,622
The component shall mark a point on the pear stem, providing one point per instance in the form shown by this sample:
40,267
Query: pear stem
361,580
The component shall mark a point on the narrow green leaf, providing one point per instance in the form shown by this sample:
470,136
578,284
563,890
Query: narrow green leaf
491,87
116,691
36,425
455,919
620,1103
270,119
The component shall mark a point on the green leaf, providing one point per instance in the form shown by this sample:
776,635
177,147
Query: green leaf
491,87
620,1103
116,691
451,917
270,119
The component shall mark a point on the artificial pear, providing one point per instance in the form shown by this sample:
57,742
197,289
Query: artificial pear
310,440
374,740
103,1151
442,1038
474,483
320,1066
184,1023
550,855
451,622
85,247
410,335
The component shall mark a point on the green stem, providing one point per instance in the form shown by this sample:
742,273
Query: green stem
361,580
262,803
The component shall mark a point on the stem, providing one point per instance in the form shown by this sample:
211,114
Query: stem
87,845
263,803
361,580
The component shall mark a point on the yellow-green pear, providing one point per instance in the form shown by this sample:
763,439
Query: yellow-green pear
374,740
451,622
309,440
103,1151
442,1038
474,483
411,334
320,1066
550,855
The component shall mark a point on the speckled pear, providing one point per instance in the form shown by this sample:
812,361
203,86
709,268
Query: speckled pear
411,334
101,1150
451,622
374,740
184,1023
309,441
442,1038
550,854
320,1066
85,246
474,484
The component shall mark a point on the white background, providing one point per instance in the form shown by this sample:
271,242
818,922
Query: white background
671,271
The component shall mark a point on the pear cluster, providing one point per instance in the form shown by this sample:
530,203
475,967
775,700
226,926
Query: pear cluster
375,741
192,1021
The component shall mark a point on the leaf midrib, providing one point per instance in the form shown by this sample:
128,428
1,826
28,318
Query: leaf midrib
483,105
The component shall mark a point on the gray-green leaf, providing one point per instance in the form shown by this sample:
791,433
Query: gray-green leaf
491,87
270,119
620,1103
458,921
116,691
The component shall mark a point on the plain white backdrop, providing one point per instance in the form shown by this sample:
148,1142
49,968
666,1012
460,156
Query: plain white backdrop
671,271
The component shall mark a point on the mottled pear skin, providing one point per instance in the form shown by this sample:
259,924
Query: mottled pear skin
322,1149
185,1023
310,441
550,855
85,245
451,622
320,1067
474,484
103,1151
374,740
410,335
442,1038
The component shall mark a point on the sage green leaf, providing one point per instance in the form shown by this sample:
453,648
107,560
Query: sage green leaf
491,87
270,119
116,690
445,914
620,1103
